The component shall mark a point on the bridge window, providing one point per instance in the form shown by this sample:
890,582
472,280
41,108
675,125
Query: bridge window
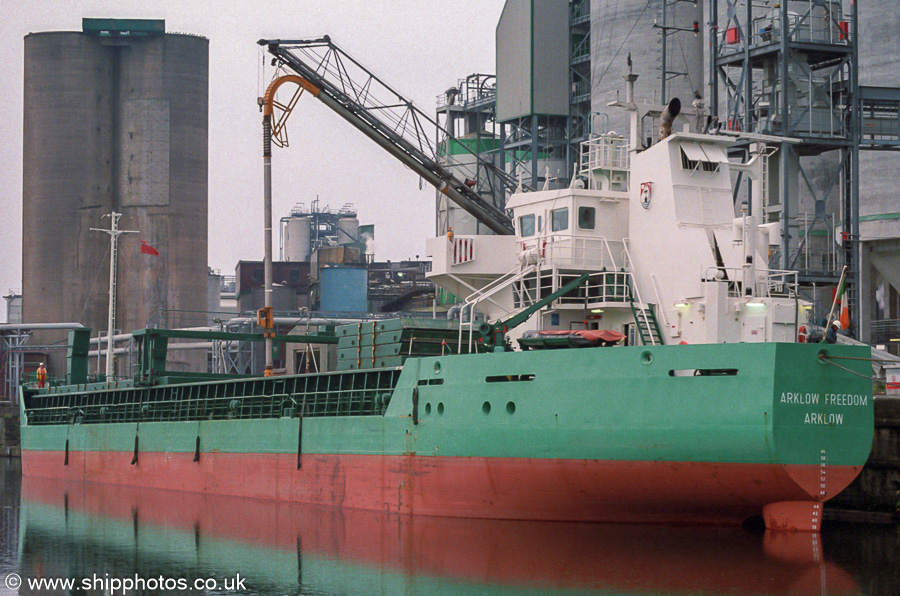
559,219
587,217
704,158
526,225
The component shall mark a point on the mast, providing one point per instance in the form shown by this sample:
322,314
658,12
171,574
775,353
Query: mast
114,233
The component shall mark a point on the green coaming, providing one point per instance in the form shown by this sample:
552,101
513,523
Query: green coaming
623,404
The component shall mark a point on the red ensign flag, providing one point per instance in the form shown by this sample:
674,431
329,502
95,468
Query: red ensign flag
148,250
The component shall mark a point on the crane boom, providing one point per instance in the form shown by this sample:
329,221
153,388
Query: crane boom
394,123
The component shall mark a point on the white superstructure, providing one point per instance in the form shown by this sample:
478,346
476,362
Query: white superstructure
670,256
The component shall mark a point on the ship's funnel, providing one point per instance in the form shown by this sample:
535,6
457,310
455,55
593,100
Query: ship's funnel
668,117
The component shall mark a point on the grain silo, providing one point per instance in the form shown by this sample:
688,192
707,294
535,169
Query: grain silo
879,198
115,118
656,36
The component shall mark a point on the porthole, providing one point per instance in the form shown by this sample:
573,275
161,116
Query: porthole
486,407
510,408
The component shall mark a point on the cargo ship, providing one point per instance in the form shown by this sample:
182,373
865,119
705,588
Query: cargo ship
676,427
661,374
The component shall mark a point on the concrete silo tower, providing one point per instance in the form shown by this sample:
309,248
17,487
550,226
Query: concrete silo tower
665,40
879,198
115,119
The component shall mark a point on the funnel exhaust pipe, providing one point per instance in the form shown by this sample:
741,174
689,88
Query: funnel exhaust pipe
668,117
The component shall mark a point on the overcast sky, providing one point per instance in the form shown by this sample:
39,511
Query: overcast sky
419,47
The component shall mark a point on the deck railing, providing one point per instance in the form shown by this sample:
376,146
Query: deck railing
362,393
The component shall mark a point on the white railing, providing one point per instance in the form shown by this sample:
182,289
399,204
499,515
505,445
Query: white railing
501,283
603,287
781,283
574,252
606,152
768,284
569,256
639,302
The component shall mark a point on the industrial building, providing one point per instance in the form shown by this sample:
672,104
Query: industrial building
812,79
116,120
327,266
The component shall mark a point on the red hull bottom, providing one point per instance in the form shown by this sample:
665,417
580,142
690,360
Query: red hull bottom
499,488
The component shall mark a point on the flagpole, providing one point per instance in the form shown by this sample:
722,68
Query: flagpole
114,233
837,296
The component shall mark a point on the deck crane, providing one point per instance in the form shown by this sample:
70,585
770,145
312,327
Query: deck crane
382,114
388,118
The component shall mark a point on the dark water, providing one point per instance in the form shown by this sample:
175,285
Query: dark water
100,537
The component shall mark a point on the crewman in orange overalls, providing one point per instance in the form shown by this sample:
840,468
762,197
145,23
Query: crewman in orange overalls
41,375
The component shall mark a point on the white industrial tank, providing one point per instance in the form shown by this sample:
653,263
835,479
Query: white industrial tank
296,239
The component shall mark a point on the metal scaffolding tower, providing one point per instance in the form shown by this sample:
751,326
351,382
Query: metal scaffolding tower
527,140
467,126
12,353
789,70
579,126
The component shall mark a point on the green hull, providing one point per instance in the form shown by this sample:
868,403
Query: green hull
727,416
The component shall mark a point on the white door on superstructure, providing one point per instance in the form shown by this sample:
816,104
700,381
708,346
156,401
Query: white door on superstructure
753,327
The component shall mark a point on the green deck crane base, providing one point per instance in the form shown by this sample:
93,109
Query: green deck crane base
380,344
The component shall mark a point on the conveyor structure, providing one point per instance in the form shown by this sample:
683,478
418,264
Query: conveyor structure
392,121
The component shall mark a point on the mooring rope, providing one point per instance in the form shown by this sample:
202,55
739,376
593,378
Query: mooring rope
827,360
866,359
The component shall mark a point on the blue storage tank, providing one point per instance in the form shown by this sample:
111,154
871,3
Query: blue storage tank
343,289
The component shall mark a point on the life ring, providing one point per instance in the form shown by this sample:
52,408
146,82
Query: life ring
802,334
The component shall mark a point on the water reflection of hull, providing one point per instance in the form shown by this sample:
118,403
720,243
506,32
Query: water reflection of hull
278,545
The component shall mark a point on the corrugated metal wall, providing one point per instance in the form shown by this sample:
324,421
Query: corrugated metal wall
533,59
879,54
